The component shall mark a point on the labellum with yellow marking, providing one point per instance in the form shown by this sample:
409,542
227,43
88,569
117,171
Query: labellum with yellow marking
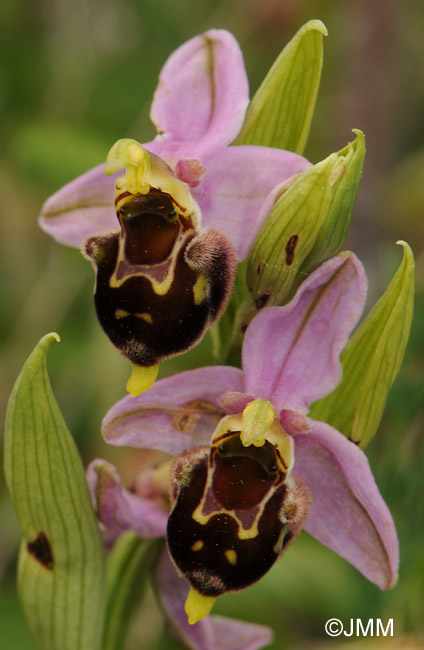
235,509
162,279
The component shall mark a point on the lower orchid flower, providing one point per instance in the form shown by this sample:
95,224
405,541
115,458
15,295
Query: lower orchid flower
251,467
145,509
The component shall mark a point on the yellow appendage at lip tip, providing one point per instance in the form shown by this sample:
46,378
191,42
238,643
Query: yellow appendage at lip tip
142,378
197,606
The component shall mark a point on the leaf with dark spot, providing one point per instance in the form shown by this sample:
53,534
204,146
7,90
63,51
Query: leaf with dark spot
40,548
61,574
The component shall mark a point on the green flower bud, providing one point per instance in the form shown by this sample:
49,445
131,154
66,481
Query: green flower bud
307,225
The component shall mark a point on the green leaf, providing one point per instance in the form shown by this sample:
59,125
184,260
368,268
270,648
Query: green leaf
281,111
307,225
371,360
61,573
128,566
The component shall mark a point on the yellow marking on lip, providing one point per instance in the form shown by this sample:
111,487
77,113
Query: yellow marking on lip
160,287
228,424
197,546
121,313
231,556
200,289
145,316
277,546
242,533
233,424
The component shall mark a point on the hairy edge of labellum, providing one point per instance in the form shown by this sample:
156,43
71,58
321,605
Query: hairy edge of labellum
214,553
147,323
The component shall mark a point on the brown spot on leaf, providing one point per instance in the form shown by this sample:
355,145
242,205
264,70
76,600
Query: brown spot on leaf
258,269
290,248
40,549
262,300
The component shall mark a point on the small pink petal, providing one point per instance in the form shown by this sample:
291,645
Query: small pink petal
81,208
348,513
234,402
202,93
291,353
190,171
240,187
294,422
120,510
177,413
213,632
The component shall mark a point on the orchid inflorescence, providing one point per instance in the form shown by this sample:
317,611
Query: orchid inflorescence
212,214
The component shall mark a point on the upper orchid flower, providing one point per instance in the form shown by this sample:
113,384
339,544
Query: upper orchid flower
165,267
198,109
162,279
240,497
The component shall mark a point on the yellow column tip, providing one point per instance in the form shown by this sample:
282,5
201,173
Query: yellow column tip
258,417
197,606
142,378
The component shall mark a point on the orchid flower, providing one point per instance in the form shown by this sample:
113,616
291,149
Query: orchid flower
145,509
251,467
186,202
198,110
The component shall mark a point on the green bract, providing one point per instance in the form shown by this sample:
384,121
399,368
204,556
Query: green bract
308,224
371,360
61,571
280,113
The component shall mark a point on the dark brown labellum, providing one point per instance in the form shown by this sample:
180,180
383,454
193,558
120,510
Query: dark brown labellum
234,511
160,283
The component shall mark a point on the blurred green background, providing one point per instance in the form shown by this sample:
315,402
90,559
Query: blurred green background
76,75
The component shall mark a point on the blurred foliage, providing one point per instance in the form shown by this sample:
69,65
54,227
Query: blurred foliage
76,75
